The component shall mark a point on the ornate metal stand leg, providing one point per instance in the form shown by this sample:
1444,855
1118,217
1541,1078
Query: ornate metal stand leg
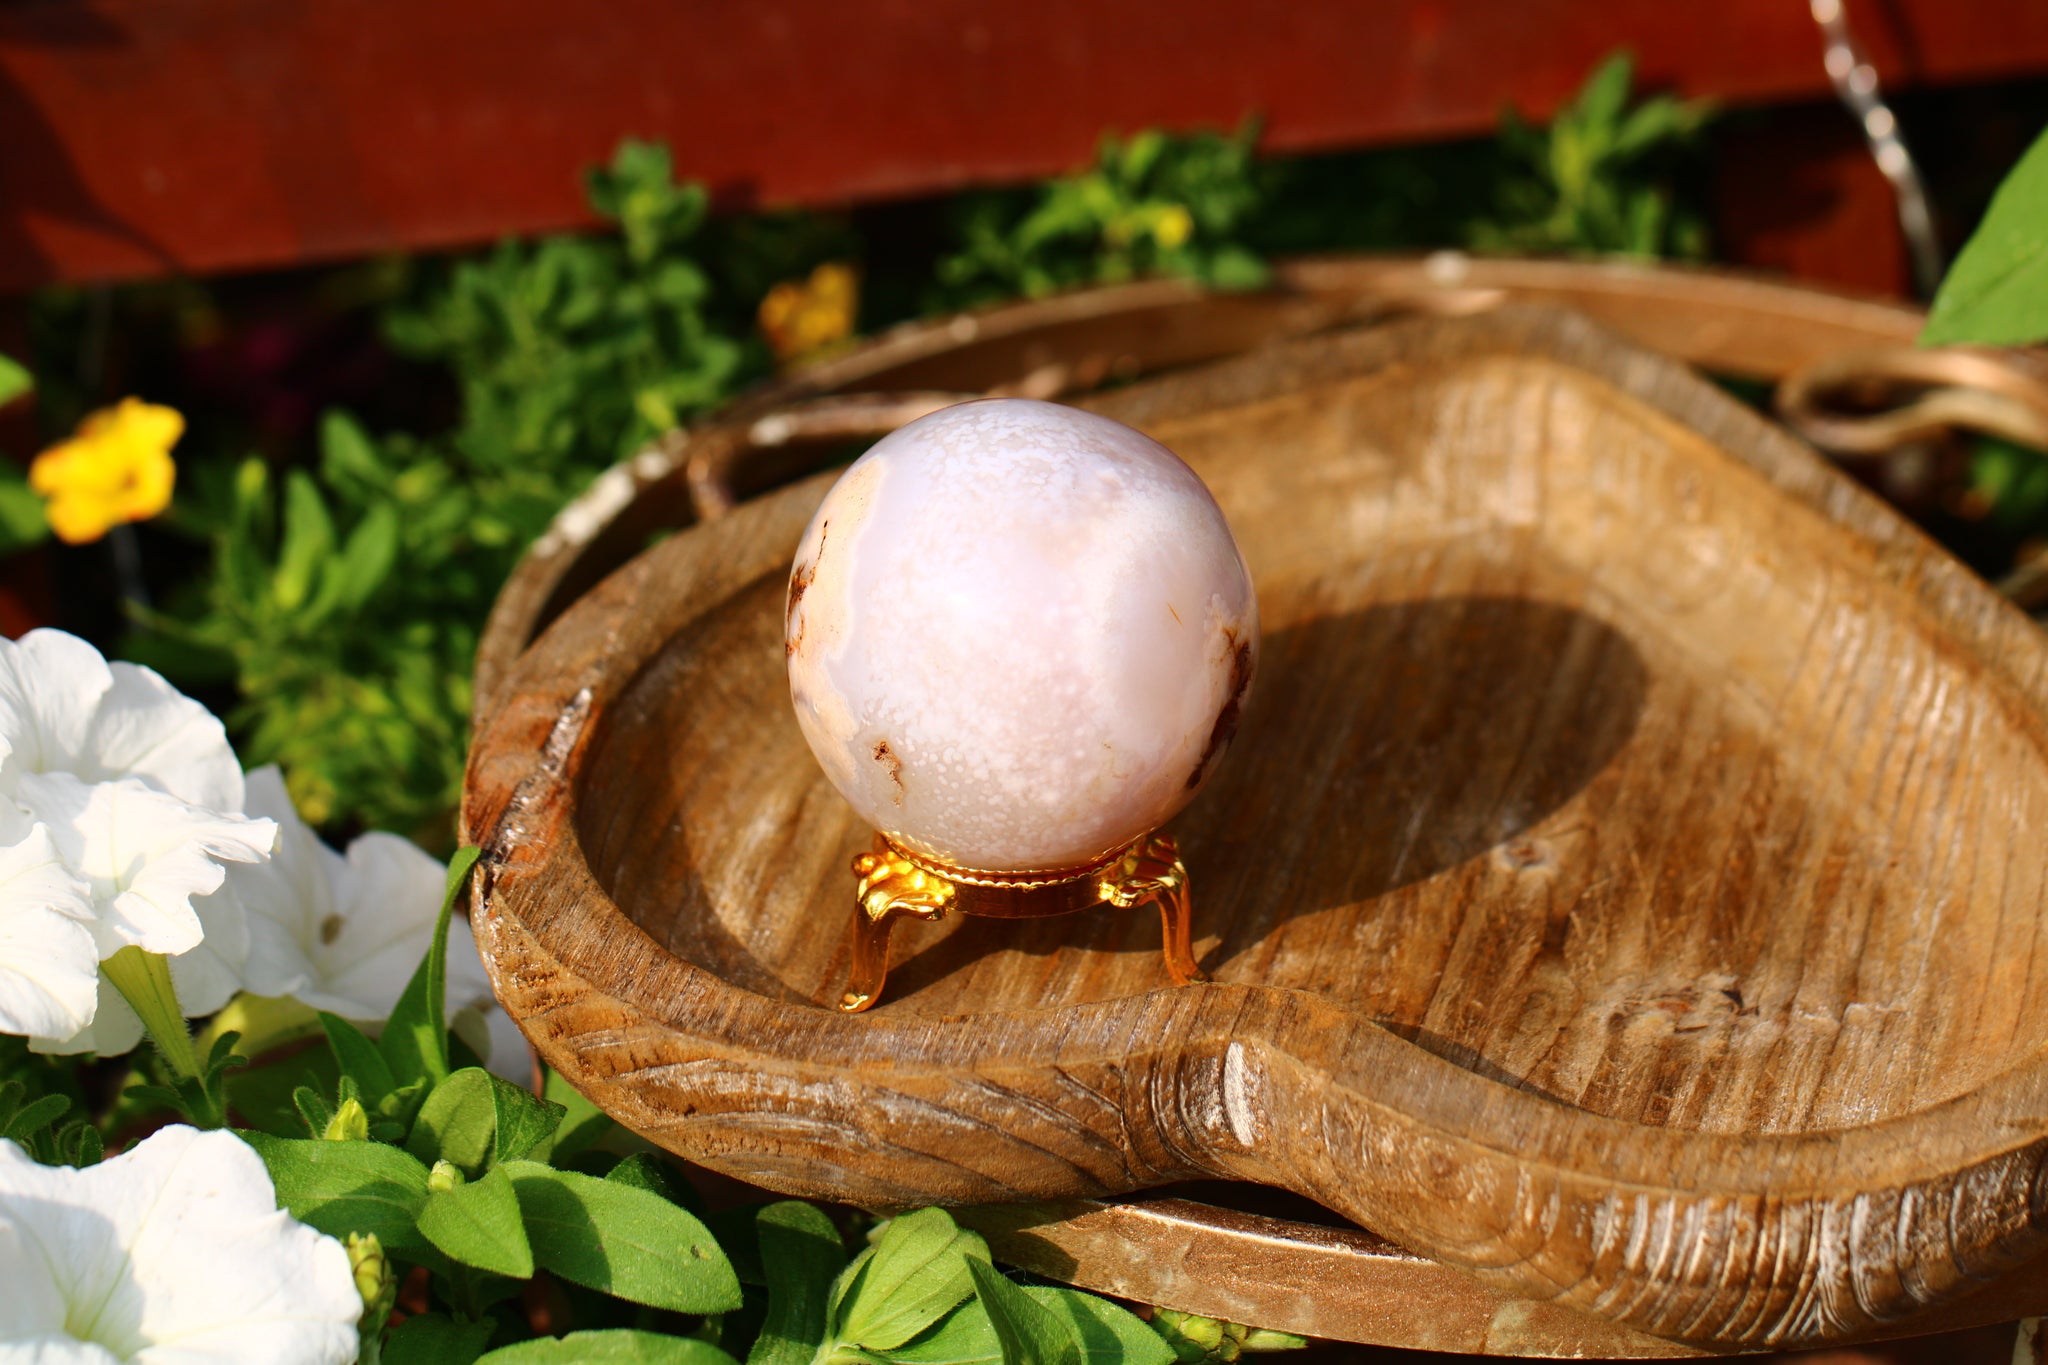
889,887
1152,871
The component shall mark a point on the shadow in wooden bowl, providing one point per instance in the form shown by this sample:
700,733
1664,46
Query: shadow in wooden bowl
1621,889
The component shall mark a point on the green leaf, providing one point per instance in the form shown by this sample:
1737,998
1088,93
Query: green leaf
436,1339
344,1187
364,563
15,380
308,541
622,1241
917,1273
1030,1334
619,1346
415,1041
22,522
476,1120
583,1123
1996,294
800,1253
479,1225
1605,94
646,1171
347,455
739,1237
358,1058
34,1115
1108,1334
316,1112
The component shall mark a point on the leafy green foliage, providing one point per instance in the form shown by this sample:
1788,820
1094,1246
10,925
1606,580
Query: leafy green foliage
1154,204
1105,1333
344,600
415,1038
907,1281
22,522
15,380
2010,481
801,1253
345,609
1996,293
478,1224
621,1346
623,1241
344,1187
1028,1333
437,1339
40,1126
200,1100
477,1121
573,351
1595,180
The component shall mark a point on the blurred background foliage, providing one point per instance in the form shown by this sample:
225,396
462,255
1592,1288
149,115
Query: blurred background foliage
370,448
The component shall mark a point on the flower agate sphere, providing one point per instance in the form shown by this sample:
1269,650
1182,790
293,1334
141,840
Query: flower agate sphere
1018,636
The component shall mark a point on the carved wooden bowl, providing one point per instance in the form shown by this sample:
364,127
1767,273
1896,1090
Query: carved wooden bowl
1627,885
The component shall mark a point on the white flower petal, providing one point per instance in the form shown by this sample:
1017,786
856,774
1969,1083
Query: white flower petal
286,898
174,1253
345,934
49,966
51,684
208,976
146,728
469,988
204,980
146,854
386,899
64,709
55,1351
115,1029
32,1309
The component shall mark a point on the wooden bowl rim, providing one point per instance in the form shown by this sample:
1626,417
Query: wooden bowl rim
1793,316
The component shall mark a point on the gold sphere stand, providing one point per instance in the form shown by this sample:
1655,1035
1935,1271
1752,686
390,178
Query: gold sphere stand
895,883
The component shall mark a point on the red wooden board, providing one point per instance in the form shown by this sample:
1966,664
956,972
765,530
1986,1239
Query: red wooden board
143,137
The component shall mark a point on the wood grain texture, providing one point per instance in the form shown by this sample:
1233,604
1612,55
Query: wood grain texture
1626,886
1300,1274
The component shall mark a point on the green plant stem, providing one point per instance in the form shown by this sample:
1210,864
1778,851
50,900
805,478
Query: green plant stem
144,980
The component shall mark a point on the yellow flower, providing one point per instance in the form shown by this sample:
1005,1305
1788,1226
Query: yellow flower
117,468
801,318
1173,226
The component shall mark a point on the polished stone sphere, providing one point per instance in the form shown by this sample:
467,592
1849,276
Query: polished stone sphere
1018,635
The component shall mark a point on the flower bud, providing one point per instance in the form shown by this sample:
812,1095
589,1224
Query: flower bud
349,1124
1197,1340
1267,1339
445,1176
1192,1337
376,1278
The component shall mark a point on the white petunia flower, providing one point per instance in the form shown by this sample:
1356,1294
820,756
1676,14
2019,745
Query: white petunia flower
344,932
137,790
145,856
173,1253
64,709
49,965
